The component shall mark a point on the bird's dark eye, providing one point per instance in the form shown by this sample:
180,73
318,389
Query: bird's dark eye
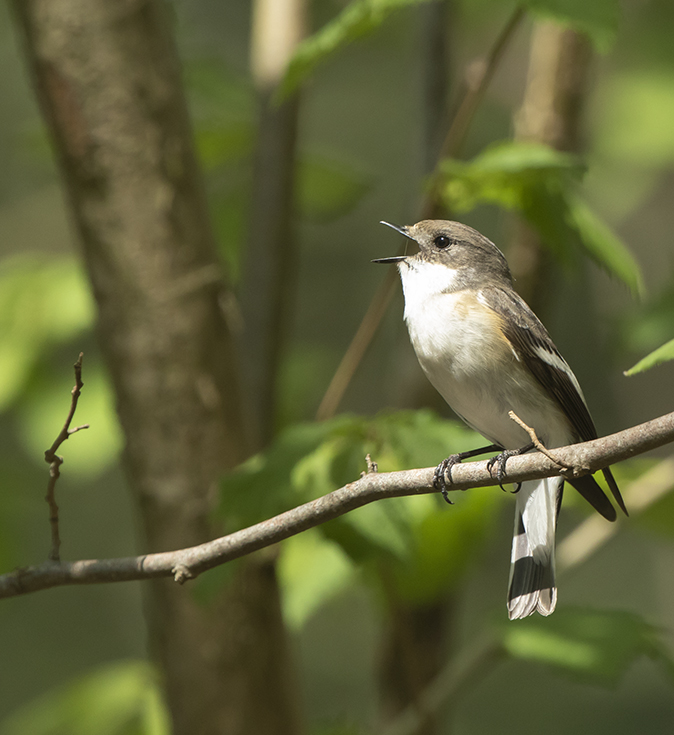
442,242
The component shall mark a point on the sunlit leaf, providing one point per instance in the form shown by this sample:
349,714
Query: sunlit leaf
662,354
636,126
599,19
541,184
263,486
119,699
42,302
588,645
508,174
427,544
358,19
311,571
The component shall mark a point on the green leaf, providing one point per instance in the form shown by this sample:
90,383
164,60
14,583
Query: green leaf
447,543
358,19
427,545
636,126
119,699
599,19
541,184
589,645
264,485
327,188
603,246
42,303
664,353
508,173
311,571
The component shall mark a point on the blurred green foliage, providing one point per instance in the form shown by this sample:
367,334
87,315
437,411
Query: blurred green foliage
594,646
541,184
120,699
29,323
426,548
419,545
599,19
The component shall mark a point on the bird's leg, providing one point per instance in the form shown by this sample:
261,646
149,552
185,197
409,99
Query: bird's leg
443,472
500,461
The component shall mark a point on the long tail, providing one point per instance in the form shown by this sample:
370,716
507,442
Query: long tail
532,570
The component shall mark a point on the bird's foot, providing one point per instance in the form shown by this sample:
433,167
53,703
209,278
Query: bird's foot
500,461
443,475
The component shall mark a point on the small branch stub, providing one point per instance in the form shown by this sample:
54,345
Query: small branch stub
371,466
537,442
55,462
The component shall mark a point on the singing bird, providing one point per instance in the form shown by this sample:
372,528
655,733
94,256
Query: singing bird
487,353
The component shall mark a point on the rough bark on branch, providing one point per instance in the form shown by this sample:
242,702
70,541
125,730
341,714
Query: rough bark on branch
188,563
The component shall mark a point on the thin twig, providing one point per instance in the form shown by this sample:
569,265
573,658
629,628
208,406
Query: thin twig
358,347
462,671
190,562
55,462
480,73
454,139
536,441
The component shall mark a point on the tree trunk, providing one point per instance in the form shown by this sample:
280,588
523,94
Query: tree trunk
108,81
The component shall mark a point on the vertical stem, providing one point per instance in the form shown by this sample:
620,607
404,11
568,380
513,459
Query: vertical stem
269,275
559,64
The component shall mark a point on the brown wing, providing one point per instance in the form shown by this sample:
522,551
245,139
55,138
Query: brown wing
532,343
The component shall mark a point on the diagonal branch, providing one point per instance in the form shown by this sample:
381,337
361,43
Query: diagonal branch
188,563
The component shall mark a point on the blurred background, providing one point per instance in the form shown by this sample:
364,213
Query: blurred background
566,161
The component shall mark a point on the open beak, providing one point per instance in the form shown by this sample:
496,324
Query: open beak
395,258
402,230
392,259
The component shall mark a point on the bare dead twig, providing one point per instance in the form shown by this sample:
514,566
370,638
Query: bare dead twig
476,86
536,441
372,466
479,75
190,562
55,462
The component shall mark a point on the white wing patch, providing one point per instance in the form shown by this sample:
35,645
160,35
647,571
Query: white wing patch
559,363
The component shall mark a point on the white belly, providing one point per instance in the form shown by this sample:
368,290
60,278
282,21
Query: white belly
474,369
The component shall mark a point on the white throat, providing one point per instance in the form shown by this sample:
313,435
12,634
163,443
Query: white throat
423,281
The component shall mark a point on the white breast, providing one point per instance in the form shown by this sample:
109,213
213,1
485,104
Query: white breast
461,348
